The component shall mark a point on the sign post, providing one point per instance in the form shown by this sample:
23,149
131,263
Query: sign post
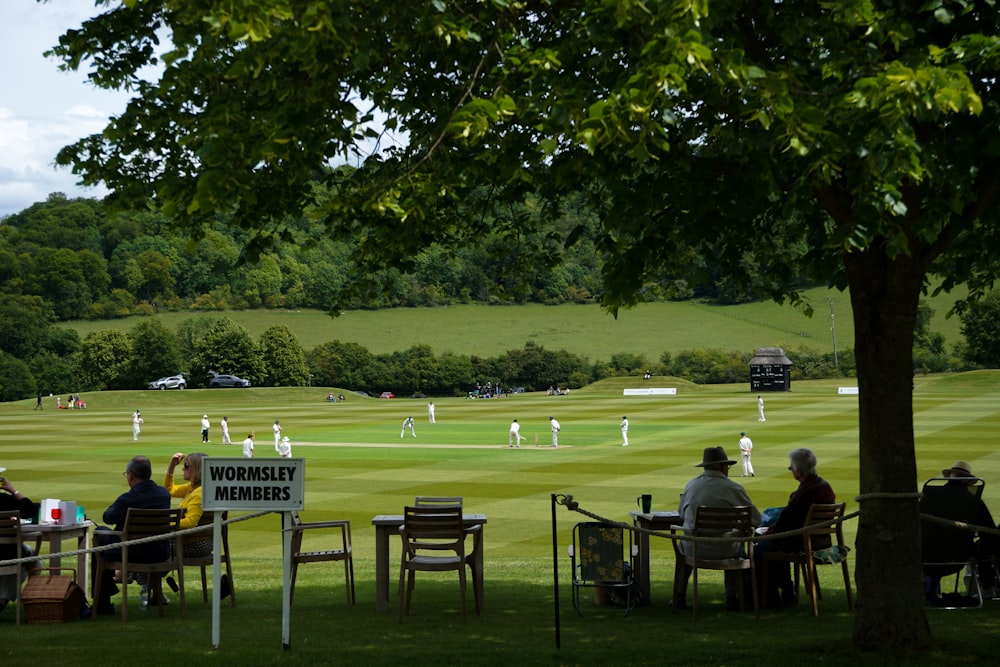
258,485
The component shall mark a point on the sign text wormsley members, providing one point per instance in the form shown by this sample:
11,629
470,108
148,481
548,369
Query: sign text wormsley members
274,484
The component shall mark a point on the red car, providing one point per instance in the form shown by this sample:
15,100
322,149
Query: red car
387,394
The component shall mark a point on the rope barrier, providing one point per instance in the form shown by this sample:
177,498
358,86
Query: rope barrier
117,545
573,506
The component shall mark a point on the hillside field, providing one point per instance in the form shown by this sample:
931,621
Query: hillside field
650,329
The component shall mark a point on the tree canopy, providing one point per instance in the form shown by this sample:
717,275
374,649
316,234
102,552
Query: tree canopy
860,135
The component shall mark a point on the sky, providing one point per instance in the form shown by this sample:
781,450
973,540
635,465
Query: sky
41,108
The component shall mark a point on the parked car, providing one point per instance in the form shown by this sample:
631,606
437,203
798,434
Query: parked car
172,382
387,394
361,393
217,380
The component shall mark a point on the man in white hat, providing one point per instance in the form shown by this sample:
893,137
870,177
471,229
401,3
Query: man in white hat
285,448
947,548
204,428
713,488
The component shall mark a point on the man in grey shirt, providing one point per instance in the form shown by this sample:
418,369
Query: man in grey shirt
713,488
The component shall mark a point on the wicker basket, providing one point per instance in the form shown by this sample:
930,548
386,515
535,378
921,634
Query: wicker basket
53,598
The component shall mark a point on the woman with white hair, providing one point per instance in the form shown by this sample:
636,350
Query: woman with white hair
812,489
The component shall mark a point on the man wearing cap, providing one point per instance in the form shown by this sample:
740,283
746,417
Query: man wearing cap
624,426
713,488
205,424
554,424
948,544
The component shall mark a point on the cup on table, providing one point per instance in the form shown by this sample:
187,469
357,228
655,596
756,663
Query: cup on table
645,503
81,513
56,514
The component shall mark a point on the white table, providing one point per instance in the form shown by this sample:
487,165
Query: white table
388,524
55,533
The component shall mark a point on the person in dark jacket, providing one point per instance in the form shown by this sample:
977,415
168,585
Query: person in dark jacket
143,493
13,500
812,489
941,543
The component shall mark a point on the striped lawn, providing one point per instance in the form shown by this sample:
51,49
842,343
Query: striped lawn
358,466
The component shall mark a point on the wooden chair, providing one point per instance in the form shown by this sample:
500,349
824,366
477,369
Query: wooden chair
142,523
438,501
342,552
205,562
600,559
472,558
735,522
427,533
807,559
10,534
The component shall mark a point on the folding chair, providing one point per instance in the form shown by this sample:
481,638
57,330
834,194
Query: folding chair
600,558
949,549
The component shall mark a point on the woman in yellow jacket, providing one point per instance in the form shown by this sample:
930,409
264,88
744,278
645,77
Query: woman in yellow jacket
197,544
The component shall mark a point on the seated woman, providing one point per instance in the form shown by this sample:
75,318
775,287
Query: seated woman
812,489
189,492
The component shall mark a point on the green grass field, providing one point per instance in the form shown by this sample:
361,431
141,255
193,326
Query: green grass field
357,466
648,329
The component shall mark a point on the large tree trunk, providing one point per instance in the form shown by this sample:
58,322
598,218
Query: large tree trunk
884,295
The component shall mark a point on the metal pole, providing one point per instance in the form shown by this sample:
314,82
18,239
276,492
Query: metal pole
833,330
555,567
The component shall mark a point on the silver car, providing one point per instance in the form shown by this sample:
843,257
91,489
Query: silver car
217,380
172,382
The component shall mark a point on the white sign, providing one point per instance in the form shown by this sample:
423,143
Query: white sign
847,390
264,484
651,391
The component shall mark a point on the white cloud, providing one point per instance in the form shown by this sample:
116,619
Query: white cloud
41,108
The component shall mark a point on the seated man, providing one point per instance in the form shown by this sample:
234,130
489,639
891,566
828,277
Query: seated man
812,489
143,493
950,544
10,500
713,488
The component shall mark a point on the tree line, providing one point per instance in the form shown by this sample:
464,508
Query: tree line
116,359
86,263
